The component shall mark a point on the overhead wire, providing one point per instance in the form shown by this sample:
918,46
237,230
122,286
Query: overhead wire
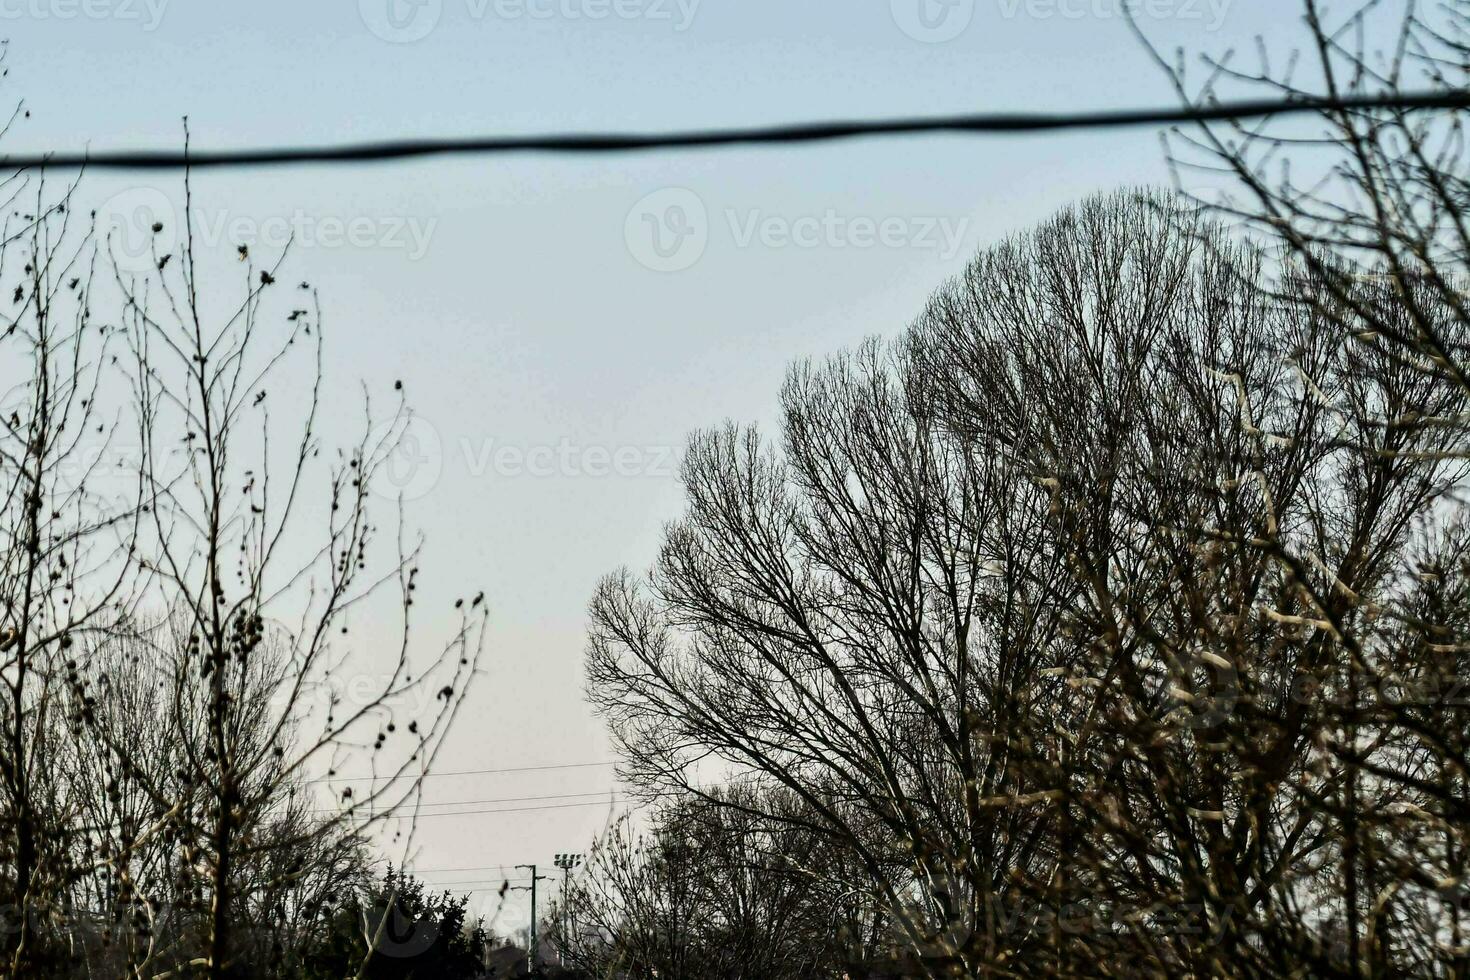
779,134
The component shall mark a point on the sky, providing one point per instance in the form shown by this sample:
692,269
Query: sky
561,324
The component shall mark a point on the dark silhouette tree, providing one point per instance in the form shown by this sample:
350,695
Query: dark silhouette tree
1051,615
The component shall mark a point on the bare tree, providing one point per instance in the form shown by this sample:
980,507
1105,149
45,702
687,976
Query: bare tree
1054,616
1351,194
864,618
1235,513
715,891
193,801
61,535
1367,207
141,903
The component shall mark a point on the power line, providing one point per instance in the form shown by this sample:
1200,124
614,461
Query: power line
789,133
463,772
477,867
518,799
521,809
550,796
419,807
408,814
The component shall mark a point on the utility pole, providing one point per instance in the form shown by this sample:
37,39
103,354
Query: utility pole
531,953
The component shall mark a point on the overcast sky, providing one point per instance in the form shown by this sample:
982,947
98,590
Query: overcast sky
561,324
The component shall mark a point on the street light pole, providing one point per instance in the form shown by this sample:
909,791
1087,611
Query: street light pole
567,863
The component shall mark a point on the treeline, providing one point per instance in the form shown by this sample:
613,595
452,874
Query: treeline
1112,620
